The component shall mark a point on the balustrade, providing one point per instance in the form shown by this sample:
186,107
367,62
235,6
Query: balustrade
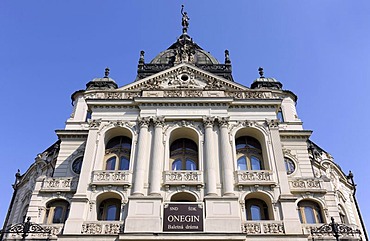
61,184
113,177
253,177
301,185
102,227
183,177
263,227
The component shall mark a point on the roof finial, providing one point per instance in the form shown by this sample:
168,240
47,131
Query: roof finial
185,20
106,73
260,71
227,57
141,59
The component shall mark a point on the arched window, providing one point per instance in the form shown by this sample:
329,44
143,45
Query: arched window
309,212
109,210
184,155
249,153
256,209
289,166
57,211
117,152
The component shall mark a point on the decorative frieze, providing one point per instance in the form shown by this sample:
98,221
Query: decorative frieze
59,184
114,177
102,227
263,227
250,177
183,177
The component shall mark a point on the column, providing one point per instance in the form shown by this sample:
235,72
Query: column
209,157
141,159
226,158
157,159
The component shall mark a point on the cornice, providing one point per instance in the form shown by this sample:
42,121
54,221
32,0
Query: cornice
295,134
73,134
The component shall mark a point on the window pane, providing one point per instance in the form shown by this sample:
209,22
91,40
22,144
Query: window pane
310,216
177,165
255,212
76,165
58,215
255,163
111,212
124,164
111,164
190,165
242,164
289,166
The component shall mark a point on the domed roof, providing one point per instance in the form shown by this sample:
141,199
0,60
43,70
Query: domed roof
263,82
102,83
182,45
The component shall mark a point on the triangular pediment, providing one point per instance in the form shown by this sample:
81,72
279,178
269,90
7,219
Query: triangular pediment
183,77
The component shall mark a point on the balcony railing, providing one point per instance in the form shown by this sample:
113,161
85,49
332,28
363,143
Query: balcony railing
107,177
304,184
254,177
102,227
55,229
60,184
263,227
183,177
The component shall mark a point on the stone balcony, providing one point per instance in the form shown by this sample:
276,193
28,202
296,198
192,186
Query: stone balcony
254,177
111,177
306,185
59,184
183,177
263,227
55,229
102,227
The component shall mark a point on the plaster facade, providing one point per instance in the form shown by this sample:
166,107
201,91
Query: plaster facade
197,102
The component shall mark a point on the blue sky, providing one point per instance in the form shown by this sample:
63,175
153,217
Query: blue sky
319,49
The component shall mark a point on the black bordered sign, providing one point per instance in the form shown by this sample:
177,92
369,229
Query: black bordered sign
183,217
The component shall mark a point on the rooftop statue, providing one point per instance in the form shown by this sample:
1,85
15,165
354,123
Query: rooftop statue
185,20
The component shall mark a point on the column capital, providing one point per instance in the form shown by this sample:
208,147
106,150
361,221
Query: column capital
158,121
223,121
144,122
208,121
272,124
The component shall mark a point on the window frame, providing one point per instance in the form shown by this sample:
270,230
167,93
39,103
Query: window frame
185,154
286,159
249,152
103,209
80,167
316,211
50,211
119,153
263,209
